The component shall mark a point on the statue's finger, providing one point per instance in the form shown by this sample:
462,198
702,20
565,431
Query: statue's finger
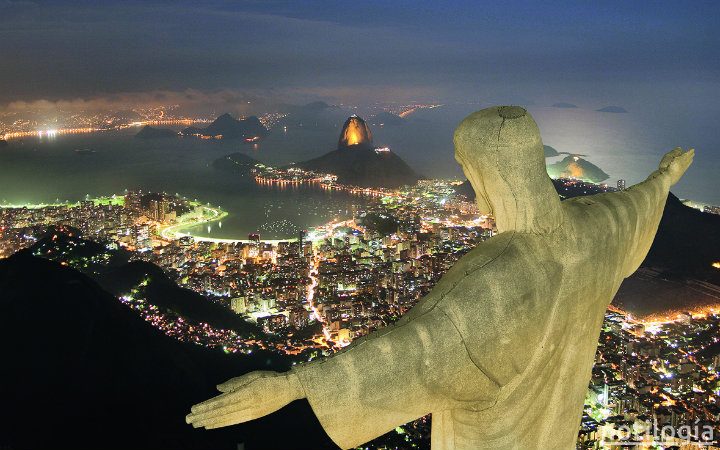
687,157
237,382
226,403
220,411
220,400
231,419
672,154
199,421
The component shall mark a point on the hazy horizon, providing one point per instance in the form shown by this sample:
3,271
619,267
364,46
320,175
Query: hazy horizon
558,51
251,57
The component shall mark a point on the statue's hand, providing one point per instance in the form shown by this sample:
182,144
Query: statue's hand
676,162
246,398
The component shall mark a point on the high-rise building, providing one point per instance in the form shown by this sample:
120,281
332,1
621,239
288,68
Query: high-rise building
301,241
621,185
157,209
239,305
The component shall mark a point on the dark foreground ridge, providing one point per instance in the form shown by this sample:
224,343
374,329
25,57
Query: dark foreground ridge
83,371
116,275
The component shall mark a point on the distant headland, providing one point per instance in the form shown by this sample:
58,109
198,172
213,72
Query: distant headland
227,127
564,105
149,132
573,166
612,109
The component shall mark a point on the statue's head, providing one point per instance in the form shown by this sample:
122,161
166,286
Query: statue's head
501,153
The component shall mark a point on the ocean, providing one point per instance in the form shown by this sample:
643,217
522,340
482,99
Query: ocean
625,145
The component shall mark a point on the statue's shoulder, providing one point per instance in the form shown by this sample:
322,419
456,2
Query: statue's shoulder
502,299
502,259
597,206
479,258
488,264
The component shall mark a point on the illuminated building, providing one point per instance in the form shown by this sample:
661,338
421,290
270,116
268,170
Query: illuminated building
239,305
355,134
158,208
301,239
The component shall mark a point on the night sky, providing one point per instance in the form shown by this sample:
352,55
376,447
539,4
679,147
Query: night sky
362,50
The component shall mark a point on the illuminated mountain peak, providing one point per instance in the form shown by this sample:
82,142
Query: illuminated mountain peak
355,132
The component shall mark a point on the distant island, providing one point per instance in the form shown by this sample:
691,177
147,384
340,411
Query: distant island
315,106
550,151
612,109
236,162
227,127
149,132
564,105
386,118
357,162
318,115
85,151
574,166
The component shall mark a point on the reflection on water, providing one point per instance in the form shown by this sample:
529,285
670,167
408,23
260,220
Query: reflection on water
34,171
628,145
625,146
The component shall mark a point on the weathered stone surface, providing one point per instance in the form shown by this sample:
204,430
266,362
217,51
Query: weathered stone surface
501,351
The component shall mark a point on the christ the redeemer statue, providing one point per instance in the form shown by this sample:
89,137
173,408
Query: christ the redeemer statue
501,351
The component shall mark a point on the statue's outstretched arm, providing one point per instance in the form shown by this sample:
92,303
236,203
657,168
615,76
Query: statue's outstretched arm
641,206
378,383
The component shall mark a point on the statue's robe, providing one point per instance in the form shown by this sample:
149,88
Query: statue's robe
501,351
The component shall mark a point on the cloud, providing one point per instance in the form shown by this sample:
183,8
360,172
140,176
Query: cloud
14,5
84,50
192,101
